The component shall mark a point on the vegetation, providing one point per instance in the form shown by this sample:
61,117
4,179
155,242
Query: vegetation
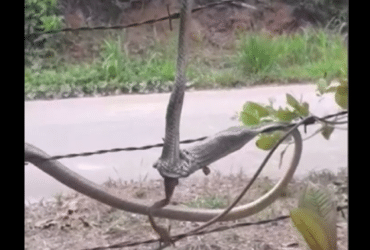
306,56
114,69
256,59
39,15
316,214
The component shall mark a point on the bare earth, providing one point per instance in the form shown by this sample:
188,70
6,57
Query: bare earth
74,221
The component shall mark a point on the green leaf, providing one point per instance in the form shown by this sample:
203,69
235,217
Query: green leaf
304,109
267,120
341,96
292,101
331,89
252,112
316,214
267,140
255,107
51,22
249,119
286,115
311,227
327,131
321,86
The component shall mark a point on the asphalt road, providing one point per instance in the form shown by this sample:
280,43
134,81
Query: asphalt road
88,124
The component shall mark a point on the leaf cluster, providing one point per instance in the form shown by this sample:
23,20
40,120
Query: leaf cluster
254,114
339,88
39,15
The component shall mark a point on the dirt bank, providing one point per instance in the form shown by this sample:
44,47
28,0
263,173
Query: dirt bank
216,25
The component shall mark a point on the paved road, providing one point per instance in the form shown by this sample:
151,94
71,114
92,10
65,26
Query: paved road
87,124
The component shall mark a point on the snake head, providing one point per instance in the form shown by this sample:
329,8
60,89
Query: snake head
180,169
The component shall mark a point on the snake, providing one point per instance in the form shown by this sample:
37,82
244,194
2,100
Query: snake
79,183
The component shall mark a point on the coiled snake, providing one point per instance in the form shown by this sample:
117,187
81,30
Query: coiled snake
175,163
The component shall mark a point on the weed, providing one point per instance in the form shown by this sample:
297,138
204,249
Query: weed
258,53
59,198
212,201
305,56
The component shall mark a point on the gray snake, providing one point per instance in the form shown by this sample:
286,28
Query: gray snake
176,163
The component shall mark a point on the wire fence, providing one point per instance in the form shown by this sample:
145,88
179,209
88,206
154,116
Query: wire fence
114,150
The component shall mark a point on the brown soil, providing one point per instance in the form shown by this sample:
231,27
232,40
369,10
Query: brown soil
216,25
75,221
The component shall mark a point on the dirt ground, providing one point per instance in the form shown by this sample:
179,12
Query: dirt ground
74,221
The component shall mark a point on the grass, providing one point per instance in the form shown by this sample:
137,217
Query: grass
256,59
306,56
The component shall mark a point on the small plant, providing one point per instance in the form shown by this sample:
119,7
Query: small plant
258,53
59,198
315,218
208,202
114,59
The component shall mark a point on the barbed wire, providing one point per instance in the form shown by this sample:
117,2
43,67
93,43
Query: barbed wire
151,21
114,150
217,229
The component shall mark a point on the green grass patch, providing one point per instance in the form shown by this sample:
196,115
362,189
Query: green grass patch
306,56
256,59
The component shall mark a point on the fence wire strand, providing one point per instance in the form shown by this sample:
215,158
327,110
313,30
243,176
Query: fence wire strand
113,150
